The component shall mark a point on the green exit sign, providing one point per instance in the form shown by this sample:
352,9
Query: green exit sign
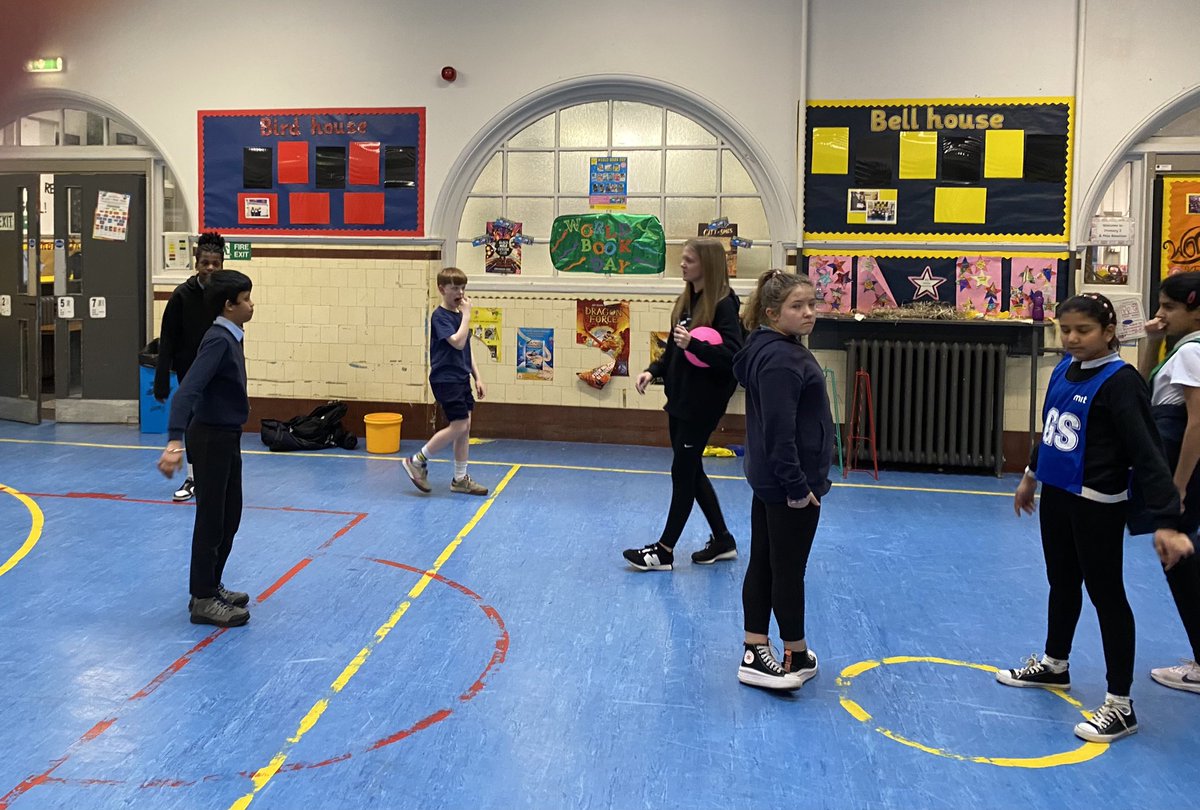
237,251
50,64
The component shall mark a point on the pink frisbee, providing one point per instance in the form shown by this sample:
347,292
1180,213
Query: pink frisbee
705,334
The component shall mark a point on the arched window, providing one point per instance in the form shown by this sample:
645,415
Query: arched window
686,166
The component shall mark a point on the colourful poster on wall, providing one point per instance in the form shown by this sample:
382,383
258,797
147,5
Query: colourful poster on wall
979,285
486,326
1180,225
938,170
872,289
658,346
623,244
608,179
326,172
606,327
833,278
725,235
535,353
502,254
1033,273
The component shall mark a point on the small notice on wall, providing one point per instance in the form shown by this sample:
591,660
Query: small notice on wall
112,216
609,183
486,326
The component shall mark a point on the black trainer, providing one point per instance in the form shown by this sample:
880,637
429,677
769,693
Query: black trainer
802,665
1112,721
650,558
1035,673
759,668
235,598
722,549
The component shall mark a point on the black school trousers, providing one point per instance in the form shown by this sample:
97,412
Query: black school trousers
1084,542
217,465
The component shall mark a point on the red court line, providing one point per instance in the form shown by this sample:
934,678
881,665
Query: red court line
499,654
46,776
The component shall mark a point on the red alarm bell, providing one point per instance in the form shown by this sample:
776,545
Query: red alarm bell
449,73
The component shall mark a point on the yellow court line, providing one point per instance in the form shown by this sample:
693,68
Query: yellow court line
264,774
528,465
35,529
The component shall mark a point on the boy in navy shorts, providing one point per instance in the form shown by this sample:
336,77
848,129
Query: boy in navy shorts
451,370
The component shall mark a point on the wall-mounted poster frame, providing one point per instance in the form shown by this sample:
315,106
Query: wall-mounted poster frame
938,170
313,172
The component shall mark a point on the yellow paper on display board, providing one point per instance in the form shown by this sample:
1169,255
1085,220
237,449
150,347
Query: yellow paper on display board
967,205
1004,153
830,150
918,155
1180,241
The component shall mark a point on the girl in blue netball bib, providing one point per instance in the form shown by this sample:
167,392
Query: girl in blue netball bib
1097,426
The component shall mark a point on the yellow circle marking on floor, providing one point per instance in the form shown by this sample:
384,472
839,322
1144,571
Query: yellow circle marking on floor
35,529
1089,750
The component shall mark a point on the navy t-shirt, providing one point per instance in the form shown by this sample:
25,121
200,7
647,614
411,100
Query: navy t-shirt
446,363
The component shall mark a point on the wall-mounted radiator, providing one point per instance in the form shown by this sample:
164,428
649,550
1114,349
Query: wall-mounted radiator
935,403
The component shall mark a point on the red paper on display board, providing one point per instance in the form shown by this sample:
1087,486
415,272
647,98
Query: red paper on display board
364,164
293,162
309,208
364,208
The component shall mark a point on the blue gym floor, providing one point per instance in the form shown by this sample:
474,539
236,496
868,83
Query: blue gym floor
445,651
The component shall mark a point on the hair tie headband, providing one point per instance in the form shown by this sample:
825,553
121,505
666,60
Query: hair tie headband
1191,298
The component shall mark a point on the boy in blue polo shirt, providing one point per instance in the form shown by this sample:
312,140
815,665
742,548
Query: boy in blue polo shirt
451,369
211,406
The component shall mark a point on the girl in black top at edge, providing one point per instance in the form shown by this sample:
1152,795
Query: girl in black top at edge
1097,426
696,401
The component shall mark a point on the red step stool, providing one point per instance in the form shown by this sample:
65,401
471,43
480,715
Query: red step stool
862,409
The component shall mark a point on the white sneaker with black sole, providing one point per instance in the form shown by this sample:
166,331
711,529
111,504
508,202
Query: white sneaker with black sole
650,558
1185,676
760,668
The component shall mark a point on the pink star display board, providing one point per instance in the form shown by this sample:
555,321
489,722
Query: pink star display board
872,288
833,278
979,284
1029,274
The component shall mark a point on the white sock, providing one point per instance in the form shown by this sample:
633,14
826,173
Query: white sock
190,472
1120,700
460,469
1054,664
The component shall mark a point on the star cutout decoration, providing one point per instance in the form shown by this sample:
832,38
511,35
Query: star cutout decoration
925,284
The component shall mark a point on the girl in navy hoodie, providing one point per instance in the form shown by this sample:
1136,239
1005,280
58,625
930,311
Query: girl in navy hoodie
789,447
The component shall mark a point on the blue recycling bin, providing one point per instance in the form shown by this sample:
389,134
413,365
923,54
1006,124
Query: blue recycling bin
152,414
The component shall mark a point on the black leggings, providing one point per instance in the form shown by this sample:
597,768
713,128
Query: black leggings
1184,576
1083,542
780,541
217,459
688,482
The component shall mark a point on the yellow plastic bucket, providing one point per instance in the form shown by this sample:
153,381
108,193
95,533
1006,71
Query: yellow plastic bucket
383,432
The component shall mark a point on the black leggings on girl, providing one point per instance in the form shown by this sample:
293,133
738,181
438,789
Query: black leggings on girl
688,482
780,541
1083,542
1184,576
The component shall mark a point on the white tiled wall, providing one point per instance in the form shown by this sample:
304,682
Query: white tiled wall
356,329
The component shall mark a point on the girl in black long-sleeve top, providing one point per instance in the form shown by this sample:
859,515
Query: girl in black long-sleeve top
1097,427
789,447
696,400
